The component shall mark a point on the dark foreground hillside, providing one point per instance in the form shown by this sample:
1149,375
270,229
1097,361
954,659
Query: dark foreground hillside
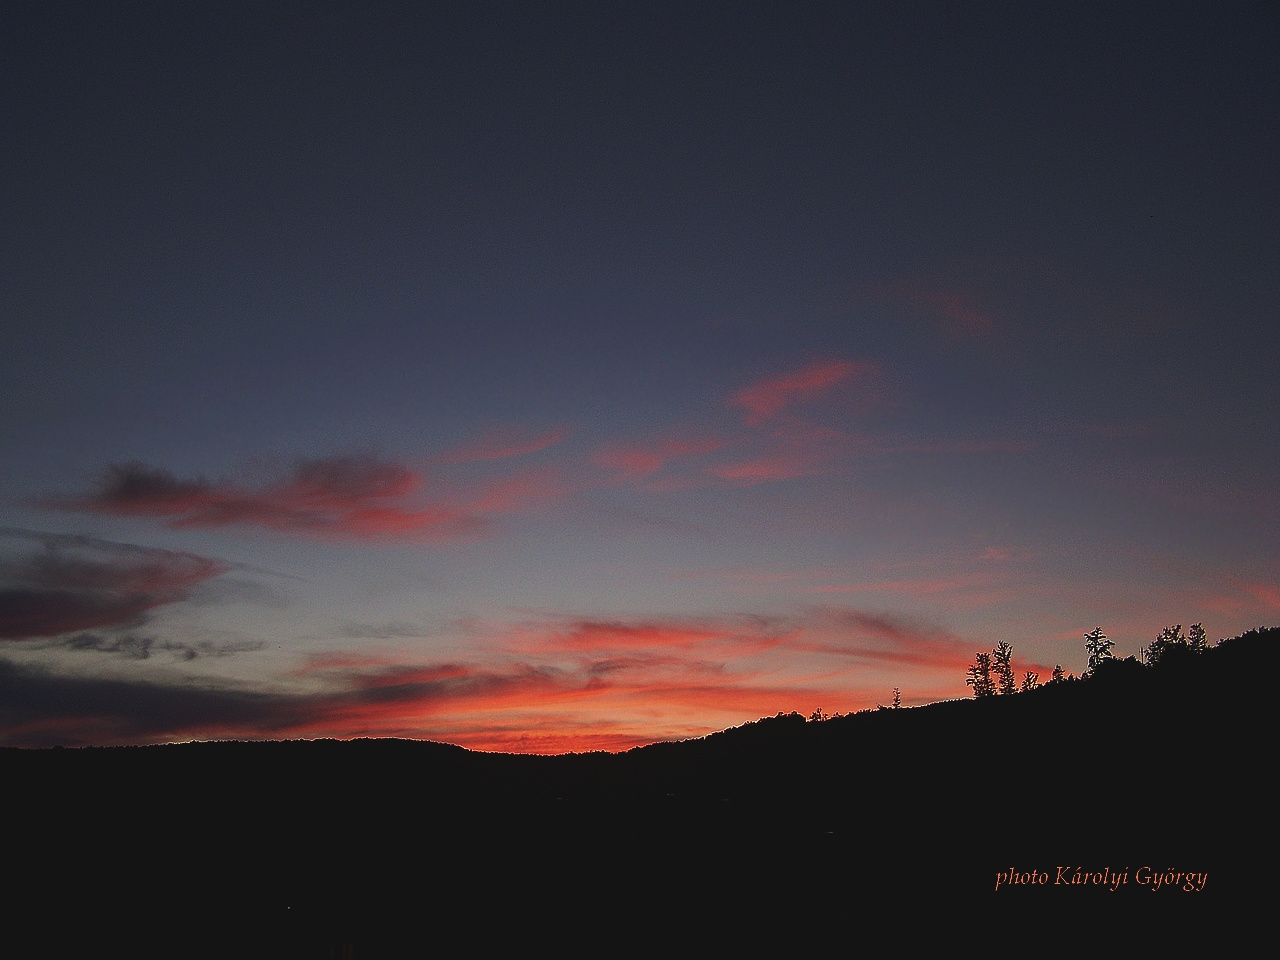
888,823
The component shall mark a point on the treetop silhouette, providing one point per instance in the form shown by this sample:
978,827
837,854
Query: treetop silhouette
1099,646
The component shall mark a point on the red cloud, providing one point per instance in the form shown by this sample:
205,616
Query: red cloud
768,397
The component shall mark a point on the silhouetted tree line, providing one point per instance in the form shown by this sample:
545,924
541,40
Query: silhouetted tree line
992,673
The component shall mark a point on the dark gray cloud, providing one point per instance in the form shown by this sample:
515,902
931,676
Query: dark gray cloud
39,708
54,584
140,648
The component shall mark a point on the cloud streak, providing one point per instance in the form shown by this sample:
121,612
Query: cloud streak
350,497
956,312
503,444
634,462
137,647
767,398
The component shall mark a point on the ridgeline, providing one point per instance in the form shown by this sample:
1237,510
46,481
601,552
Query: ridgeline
299,848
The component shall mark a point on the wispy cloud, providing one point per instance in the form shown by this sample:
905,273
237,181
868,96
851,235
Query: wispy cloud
760,470
1267,593
503,444
349,497
765,399
727,636
519,492
638,461
955,446
886,637
956,312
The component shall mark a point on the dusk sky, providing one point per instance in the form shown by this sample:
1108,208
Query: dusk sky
565,376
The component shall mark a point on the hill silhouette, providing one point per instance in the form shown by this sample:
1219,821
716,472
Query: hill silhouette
784,826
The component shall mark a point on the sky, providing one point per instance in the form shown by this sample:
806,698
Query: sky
573,376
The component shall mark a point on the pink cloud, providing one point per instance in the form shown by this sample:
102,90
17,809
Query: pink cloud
503,444
760,470
959,446
915,588
351,498
956,311
791,450
886,638
729,637
767,398
638,461
1267,593
619,635
960,311
519,492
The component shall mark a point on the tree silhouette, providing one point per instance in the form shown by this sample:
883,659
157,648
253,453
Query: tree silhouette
1197,640
1170,639
1002,666
980,676
1058,675
1030,681
1099,647
1172,644
897,698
